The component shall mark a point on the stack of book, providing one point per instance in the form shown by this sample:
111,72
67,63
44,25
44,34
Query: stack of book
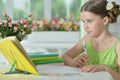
45,57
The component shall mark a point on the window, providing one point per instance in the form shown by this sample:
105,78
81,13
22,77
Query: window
21,8
18,9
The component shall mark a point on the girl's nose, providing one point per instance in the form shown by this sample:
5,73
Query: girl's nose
85,26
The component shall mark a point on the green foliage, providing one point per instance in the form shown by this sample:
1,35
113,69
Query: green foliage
75,8
37,7
18,14
58,8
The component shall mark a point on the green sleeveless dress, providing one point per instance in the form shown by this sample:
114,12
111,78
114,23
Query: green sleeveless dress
107,57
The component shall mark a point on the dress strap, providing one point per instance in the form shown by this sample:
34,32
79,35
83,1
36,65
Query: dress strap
117,41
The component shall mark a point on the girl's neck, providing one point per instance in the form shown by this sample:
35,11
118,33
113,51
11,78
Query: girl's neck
106,35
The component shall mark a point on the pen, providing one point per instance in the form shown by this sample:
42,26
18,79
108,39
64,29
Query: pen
84,47
16,72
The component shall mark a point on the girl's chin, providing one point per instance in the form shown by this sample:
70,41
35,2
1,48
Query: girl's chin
88,33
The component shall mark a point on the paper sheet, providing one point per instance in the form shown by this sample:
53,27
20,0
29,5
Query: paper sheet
58,70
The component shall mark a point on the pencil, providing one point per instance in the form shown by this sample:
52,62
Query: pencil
84,47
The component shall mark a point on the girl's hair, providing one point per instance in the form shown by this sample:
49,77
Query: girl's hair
98,7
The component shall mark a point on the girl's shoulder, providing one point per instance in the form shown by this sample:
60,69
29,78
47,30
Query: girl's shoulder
118,46
118,40
118,50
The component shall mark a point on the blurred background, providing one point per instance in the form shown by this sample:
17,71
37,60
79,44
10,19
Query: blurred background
40,8
18,9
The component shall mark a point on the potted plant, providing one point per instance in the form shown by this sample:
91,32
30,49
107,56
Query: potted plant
19,28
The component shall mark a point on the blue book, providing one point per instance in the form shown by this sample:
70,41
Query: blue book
42,54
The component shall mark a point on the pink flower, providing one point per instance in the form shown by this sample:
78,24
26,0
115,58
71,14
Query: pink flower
21,21
4,14
25,21
15,28
67,28
5,24
18,29
33,29
1,22
17,23
24,32
25,26
9,19
55,20
10,24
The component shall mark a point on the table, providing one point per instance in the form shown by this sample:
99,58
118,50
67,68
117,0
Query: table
83,76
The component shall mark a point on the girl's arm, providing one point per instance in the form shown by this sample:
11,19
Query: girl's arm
116,75
69,57
102,67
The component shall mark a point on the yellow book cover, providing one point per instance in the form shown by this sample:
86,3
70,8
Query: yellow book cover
13,51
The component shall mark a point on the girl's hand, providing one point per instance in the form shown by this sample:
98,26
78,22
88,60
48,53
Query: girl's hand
81,60
93,68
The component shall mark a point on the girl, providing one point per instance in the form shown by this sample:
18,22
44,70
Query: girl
103,48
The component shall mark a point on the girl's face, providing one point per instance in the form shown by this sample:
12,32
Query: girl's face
93,24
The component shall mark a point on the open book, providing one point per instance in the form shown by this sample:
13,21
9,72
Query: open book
12,50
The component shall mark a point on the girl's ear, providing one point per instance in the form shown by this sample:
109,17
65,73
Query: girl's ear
106,20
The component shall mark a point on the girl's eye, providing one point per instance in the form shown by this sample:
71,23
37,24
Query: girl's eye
82,21
89,21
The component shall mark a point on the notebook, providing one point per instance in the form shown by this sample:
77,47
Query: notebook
12,50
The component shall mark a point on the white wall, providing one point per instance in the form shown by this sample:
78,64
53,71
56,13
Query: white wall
115,28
